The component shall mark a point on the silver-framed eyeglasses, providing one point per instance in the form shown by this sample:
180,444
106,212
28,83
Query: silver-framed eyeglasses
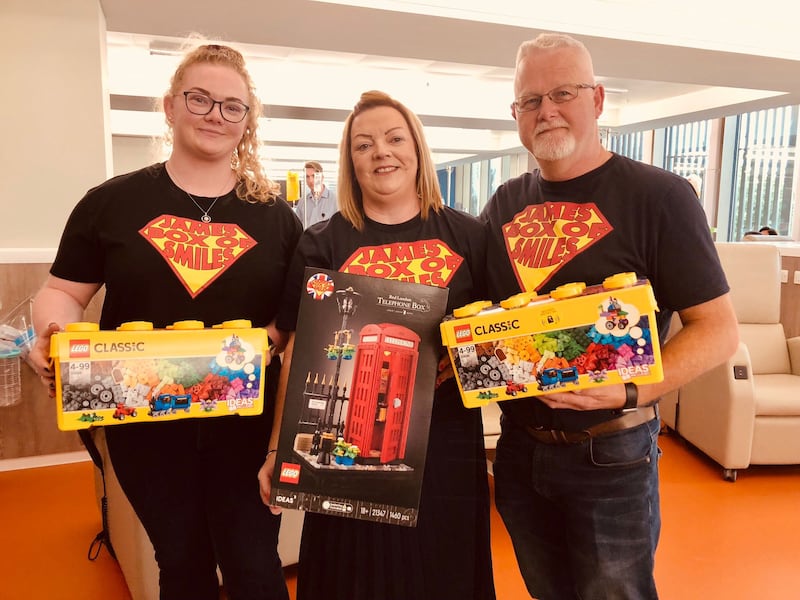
199,103
560,95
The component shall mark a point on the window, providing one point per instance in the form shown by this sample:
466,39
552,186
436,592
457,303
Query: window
447,184
495,174
475,188
686,151
765,160
469,185
626,144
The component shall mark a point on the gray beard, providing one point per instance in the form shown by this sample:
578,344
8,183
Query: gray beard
548,150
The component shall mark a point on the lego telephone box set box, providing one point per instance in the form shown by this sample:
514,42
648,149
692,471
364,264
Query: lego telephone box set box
354,433
137,373
576,337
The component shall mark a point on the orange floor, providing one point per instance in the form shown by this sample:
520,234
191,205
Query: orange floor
737,541
720,540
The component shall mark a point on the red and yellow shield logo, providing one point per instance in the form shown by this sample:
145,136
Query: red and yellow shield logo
430,262
542,238
197,252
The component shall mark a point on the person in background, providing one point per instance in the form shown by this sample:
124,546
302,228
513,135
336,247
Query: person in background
390,199
319,202
576,474
192,482
765,230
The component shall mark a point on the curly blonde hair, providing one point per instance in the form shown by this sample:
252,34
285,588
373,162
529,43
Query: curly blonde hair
253,184
348,191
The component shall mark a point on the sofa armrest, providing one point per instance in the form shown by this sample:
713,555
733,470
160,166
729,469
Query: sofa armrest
668,408
289,536
490,415
717,412
131,543
794,354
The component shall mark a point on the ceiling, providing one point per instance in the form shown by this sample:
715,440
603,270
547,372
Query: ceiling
452,63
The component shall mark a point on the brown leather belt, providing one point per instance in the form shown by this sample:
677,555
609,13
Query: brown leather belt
626,421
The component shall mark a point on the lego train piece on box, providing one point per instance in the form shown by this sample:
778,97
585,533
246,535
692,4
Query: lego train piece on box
576,337
138,373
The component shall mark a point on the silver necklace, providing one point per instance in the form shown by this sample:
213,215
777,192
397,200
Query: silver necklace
206,218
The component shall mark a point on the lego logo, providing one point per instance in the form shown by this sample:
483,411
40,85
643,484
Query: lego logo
290,473
463,333
79,349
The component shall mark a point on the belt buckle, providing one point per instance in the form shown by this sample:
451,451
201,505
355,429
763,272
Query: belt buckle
545,435
558,437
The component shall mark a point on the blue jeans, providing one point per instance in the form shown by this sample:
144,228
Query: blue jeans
584,518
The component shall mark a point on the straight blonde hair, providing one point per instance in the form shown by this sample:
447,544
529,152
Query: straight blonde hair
349,194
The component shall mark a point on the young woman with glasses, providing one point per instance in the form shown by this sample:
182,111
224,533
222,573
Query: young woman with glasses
202,236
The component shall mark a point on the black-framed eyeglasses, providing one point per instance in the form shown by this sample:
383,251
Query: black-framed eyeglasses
560,95
199,103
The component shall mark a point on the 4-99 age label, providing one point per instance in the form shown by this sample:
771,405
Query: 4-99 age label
80,373
467,356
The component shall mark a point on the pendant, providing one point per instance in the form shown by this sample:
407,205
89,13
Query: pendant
205,218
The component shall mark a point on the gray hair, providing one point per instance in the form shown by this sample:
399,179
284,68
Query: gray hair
551,40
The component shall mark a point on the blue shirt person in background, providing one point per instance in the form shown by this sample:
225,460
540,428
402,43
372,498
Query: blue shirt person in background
319,202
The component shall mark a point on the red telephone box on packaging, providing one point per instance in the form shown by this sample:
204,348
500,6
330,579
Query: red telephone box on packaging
382,391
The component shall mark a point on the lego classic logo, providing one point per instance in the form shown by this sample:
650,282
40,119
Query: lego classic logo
290,473
79,349
463,333
542,238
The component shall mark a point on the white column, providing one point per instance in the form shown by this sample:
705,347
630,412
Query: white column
54,114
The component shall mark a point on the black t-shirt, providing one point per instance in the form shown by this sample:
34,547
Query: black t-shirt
623,216
445,250
142,237
448,249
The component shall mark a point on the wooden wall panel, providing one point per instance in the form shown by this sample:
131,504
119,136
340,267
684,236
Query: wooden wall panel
790,297
29,428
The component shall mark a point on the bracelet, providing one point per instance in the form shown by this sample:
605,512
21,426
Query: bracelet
270,452
631,397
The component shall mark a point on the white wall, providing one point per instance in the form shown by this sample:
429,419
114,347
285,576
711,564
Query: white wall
132,153
54,114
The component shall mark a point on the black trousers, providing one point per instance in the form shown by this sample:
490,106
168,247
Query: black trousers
193,484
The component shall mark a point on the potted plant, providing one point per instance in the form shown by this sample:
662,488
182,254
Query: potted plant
345,453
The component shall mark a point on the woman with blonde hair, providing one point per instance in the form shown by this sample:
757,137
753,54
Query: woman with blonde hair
390,204
201,236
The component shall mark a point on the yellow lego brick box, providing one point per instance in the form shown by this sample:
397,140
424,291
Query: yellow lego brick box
136,373
576,337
